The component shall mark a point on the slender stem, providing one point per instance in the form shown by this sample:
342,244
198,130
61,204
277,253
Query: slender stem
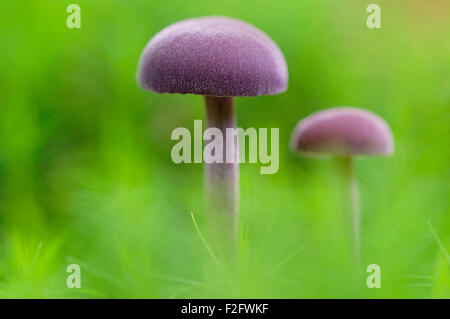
221,179
346,172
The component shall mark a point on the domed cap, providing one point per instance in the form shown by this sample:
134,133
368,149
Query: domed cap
343,131
216,56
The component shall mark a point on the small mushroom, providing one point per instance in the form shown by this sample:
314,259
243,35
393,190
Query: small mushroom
344,133
218,57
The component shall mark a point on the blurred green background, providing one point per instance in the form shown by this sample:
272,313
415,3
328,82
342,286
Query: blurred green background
86,175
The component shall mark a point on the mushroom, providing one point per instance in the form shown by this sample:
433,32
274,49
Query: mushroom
218,57
344,133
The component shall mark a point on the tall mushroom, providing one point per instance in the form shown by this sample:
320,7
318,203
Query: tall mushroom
344,133
218,57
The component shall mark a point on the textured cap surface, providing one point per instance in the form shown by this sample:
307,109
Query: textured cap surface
343,131
216,56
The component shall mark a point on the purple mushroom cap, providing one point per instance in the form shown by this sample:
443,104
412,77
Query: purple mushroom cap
215,56
343,131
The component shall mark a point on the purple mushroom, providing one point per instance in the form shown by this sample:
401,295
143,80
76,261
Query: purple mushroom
344,132
217,57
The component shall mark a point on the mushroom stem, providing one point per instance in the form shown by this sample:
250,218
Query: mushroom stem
221,179
351,188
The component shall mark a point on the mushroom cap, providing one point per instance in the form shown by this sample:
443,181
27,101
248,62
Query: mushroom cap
343,131
216,56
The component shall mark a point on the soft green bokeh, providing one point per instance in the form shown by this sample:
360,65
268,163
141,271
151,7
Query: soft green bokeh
86,175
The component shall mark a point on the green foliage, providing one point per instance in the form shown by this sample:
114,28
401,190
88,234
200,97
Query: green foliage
86,175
